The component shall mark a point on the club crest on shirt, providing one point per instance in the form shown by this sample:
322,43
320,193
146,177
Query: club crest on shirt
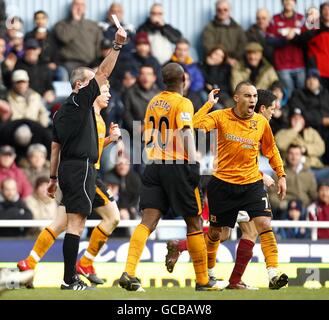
253,124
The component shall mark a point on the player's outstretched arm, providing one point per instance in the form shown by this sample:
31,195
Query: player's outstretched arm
106,67
203,111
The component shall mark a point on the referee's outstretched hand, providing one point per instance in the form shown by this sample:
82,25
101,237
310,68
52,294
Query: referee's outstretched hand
120,36
51,189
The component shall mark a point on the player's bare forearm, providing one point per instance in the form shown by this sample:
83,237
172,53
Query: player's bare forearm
106,67
54,158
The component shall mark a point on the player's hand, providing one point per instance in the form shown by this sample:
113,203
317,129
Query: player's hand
212,96
120,36
268,180
115,132
51,189
282,188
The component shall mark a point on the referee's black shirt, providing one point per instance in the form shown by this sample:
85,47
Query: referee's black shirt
75,125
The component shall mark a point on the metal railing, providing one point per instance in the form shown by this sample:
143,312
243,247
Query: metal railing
313,225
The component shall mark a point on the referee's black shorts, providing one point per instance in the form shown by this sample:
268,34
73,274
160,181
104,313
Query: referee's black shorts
103,194
77,179
170,186
225,200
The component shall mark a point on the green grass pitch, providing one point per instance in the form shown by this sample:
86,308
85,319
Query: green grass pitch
116,293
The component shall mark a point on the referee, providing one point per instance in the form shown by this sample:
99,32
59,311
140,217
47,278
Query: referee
74,151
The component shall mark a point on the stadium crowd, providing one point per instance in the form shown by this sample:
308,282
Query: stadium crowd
286,53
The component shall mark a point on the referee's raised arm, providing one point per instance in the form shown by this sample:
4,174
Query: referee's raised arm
106,67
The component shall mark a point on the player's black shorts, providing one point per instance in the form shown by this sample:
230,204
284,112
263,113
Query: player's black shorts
226,200
170,186
103,195
77,180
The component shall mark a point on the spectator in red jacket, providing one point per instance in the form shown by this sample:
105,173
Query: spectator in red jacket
319,210
288,56
8,169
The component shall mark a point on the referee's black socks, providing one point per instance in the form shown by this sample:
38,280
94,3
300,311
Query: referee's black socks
70,253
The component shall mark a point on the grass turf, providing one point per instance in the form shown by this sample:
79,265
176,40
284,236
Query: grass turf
116,293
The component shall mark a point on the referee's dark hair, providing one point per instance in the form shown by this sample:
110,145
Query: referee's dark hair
79,74
265,98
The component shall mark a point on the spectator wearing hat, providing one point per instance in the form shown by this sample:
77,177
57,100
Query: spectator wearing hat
143,56
257,32
26,103
288,56
47,42
313,101
254,68
12,207
310,141
301,183
39,74
319,210
35,165
8,169
162,36
295,212
224,30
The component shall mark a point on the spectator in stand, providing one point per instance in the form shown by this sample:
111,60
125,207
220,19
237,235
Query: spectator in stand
313,101
162,36
3,18
182,56
8,169
21,133
253,68
301,183
288,56
313,147
257,33
217,74
5,69
226,31
280,117
36,164
319,210
295,212
195,97
79,38
14,37
47,43
109,28
39,74
142,56
26,103
129,186
316,38
41,206
137,98
12,208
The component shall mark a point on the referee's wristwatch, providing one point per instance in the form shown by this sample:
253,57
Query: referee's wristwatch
53,177
116,46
